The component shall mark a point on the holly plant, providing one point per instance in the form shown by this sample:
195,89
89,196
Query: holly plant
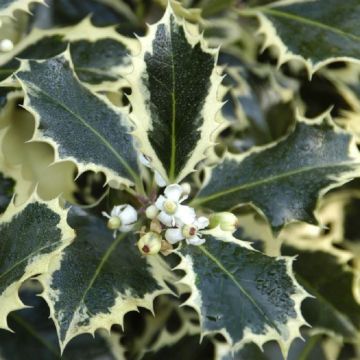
190,191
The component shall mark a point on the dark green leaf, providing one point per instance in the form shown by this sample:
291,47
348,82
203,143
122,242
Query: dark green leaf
34,333
242,293
98,279
81,125
174,110
29,236
318,31
331,311
285,179
102,58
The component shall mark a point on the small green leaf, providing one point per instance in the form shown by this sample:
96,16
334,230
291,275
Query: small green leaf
241,293
284,180
81,126
316,32
174,97
333,312
98,279
8,7
30,236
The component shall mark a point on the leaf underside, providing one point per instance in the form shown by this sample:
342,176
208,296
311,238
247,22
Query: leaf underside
312,158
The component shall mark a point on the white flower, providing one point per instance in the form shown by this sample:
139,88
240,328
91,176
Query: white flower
171,211
189,232
122,218
158,178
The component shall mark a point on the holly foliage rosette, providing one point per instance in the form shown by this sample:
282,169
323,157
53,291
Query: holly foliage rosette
180,175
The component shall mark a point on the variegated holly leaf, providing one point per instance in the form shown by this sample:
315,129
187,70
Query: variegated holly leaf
98,279
102,12
242,293
100,55
315,32
30,235
8,7
332,312
33,332
174,110
82,127
285,179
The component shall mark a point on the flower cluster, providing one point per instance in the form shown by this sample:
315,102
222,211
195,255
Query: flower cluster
169,218
180,220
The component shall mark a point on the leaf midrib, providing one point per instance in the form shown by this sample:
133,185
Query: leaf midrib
214,259
101,264
94,131
173,115
253,184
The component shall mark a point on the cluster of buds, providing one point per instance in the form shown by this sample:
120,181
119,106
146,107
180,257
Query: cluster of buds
179,222
170,219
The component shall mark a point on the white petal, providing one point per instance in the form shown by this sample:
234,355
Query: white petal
160,202
144,160
165,218
128,215
103,213
202,222
160,181
173,235
173,192
126,227
195,240
116,211
185,215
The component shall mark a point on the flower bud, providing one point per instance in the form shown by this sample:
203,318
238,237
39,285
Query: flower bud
150,243
155,226
151,212
114,223
226,220
186,188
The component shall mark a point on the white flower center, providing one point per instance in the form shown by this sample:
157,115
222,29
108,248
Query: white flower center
114,223
170,207
189,231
